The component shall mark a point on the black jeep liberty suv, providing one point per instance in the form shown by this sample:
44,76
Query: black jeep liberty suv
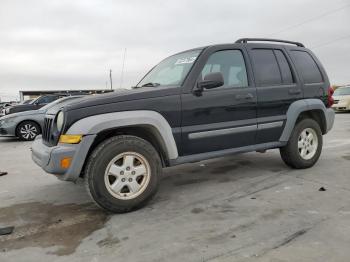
203,103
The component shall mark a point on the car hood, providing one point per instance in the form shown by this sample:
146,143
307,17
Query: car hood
54,109
121,95
22,107
25,113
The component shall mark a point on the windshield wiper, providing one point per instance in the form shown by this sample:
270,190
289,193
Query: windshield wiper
151,84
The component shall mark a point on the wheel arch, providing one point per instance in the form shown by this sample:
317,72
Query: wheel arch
149,125
301,109
146,132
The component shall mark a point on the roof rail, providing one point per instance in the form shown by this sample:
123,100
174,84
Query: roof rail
246,40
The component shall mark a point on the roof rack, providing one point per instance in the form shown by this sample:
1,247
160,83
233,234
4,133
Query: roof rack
246,40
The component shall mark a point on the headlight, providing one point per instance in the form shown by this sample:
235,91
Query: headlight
59,121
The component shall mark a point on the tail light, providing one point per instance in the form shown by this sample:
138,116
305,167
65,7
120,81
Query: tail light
330,99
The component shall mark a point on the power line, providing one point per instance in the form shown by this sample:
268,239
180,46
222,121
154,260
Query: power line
330,42
310,20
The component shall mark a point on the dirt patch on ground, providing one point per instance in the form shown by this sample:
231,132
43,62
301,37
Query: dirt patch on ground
47,225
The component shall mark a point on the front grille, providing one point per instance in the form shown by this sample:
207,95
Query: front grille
47,130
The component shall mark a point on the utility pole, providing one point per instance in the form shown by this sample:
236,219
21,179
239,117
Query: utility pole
110,78
122,72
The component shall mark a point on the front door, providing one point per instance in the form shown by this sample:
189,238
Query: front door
223,117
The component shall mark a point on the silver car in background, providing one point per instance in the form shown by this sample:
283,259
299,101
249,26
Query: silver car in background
27,125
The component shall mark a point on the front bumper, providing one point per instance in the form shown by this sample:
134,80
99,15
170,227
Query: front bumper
49,158
8,129
341,107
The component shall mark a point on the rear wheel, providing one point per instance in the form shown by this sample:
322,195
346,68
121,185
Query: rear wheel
304,146
28,130
122,174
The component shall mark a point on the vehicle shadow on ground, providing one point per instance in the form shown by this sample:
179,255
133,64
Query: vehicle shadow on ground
10,140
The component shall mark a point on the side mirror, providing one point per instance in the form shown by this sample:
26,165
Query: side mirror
210,81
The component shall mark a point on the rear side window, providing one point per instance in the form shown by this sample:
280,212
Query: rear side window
286,73
265,67
307,67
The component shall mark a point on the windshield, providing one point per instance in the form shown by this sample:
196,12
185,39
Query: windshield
27,102
343,91
171,71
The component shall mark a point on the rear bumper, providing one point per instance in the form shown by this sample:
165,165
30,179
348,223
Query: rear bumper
49,158
329,118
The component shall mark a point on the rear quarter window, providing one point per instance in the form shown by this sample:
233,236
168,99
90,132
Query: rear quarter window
307,67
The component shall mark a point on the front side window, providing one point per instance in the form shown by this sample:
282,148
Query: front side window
232,66
171,71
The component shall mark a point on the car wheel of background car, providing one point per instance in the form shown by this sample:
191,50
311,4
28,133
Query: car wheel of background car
28,130
122,174
304,146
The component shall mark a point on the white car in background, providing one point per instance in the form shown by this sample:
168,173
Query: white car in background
341,99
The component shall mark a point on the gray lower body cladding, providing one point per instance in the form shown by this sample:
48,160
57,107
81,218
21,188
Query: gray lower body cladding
49,158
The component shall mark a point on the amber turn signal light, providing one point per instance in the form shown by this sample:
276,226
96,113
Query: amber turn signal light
65,162
70,139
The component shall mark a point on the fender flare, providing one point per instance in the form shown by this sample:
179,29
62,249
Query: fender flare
92,125
296,108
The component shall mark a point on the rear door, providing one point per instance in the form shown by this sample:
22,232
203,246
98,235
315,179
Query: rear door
277,87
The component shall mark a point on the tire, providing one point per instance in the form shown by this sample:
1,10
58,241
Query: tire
301,151
113,173
28,130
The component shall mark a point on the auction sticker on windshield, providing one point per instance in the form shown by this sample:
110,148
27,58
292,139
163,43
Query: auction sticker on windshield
186,60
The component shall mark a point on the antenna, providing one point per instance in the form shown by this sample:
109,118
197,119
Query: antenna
122,72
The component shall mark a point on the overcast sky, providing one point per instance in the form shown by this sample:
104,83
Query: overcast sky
72,44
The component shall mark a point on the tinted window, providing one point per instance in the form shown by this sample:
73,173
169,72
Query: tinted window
47,99
307,67
286,73
265,67
232,66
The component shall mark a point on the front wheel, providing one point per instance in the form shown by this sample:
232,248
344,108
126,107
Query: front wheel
123,173
304,146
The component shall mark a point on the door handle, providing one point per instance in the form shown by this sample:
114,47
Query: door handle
248,96
294,91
